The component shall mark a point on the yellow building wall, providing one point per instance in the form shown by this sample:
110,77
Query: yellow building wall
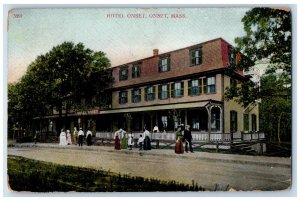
233,105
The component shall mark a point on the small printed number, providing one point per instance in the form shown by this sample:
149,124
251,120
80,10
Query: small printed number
18,15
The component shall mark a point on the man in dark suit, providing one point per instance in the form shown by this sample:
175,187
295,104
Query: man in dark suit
188,139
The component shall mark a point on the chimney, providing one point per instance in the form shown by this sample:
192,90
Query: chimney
155,52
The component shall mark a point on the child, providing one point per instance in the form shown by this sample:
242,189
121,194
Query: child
141,139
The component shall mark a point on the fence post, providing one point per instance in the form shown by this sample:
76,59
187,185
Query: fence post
231,137
217,147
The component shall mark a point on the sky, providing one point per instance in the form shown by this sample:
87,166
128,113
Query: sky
116,31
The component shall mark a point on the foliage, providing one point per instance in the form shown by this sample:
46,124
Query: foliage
67,77
267,40
276,107
36,176
268,37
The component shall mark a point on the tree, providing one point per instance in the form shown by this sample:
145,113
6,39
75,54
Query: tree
268,37
268,40
275,108
63,79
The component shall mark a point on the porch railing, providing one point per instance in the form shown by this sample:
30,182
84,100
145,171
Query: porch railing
248,136
224,137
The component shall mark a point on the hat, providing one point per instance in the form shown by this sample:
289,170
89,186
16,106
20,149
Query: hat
80,128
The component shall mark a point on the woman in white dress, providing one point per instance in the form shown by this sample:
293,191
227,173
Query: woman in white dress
62,138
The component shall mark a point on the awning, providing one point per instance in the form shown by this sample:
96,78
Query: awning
157,107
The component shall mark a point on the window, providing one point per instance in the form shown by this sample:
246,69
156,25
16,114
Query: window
195,87
164,120
150,93
231,56
195,123
246,122
233,83
215,119
123,97
164,64
136,70
136,95
196,56
253,118
123,73
233,121
163,91
211,84
178,89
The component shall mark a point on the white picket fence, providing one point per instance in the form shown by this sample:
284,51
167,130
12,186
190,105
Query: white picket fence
171,136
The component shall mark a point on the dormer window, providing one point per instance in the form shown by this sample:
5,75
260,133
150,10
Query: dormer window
196,56
231,56
136,70
123,73
164,64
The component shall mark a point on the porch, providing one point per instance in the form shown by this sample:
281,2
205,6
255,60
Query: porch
217,141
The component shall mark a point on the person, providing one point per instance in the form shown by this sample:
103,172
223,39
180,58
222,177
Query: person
179,144
80,137
130,141
124,141
147,140
117,137
155,129
69,141
188,138
62,138
75,136
89,137
36,137
141,140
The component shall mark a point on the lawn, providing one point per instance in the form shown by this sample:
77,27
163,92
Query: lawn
37,176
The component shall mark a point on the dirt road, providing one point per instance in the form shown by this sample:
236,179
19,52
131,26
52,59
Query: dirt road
245,173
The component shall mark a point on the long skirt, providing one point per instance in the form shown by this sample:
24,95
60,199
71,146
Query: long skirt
124,143
179,146
117,143
147,143
89,140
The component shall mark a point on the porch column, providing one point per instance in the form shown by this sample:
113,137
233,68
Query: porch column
185,117
221,120
143,122
209,121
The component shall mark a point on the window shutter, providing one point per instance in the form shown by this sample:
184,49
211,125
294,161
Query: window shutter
159,65
182,88
205,85
132,71
132,95
145,94
200,86
159,91
172,90
191,57
119,97
200,55
169,63
190,87
168,91
154,94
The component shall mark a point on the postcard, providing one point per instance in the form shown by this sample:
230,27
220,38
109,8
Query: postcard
149,99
